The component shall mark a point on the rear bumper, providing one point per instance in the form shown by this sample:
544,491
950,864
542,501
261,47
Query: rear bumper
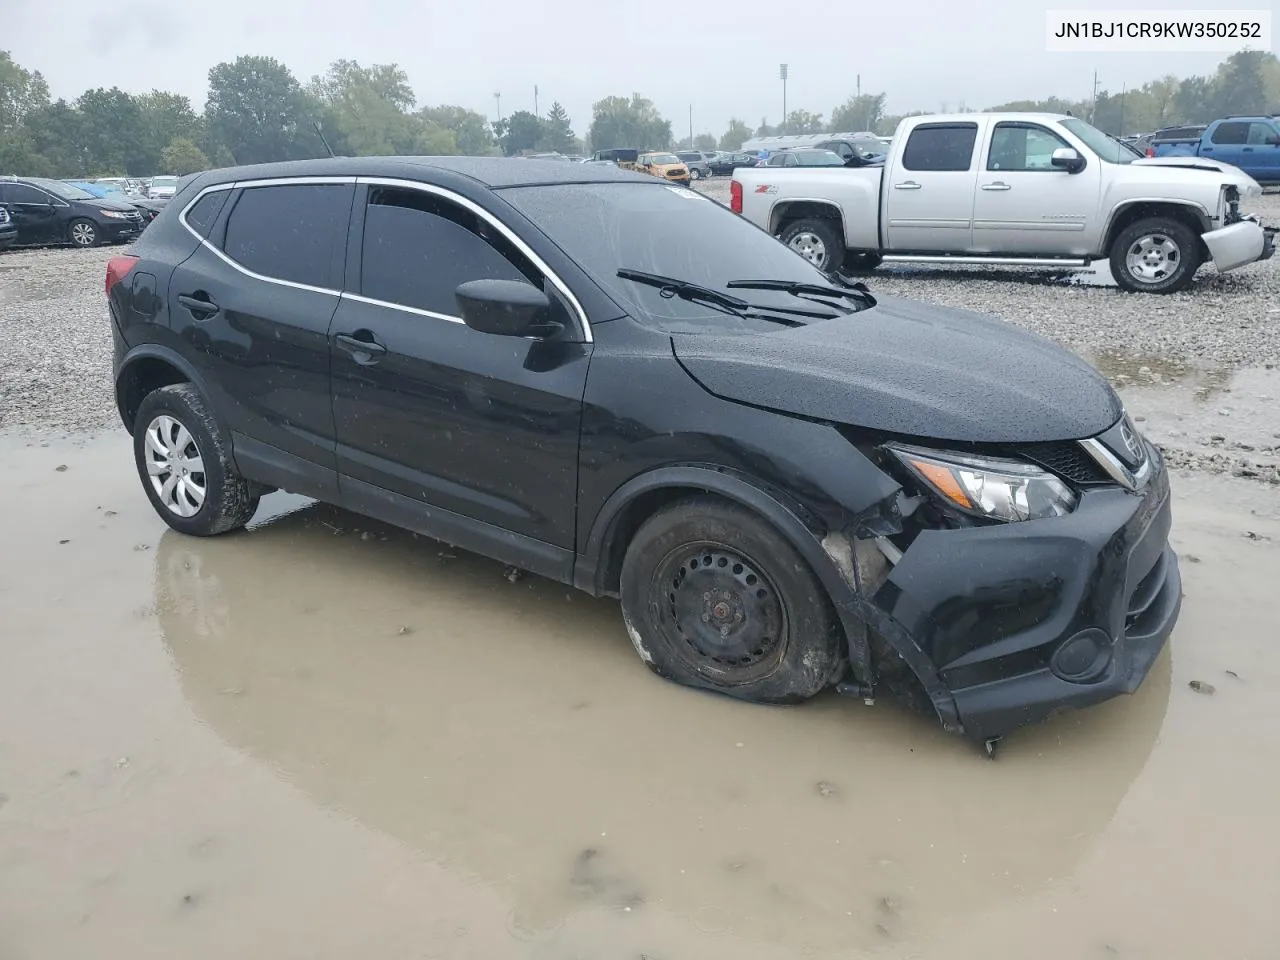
1018,622
1239,244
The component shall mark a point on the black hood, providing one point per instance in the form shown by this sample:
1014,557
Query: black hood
107,203
911,369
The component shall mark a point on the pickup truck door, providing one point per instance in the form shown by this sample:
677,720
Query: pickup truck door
928,190
1025,205
1260,155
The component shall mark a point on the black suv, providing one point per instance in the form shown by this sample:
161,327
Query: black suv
789,482
51,211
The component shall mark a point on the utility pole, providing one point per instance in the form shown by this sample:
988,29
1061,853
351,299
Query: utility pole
1123,88
691,126
859,100
782,74
1093,108
535,100
497,98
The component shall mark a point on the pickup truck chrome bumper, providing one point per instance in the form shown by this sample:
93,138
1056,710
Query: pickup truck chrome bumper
1239,244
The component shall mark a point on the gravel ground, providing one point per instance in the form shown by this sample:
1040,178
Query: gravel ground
55,342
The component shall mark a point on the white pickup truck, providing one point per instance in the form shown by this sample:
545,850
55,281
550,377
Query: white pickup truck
1019,189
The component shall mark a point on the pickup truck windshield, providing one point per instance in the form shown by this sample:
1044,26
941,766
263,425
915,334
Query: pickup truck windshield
668,231
1108,149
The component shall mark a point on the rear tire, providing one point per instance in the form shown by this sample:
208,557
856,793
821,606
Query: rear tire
714,598
817,240
1156,255
184,462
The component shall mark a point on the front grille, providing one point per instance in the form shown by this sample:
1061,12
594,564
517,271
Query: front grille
4,215
1067,460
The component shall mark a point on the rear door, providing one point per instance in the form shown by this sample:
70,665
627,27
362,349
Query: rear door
1226,142
1261,152
928,206
253,306
34,211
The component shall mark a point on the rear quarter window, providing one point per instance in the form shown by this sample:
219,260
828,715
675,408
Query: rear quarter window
294,232
203,214
940,147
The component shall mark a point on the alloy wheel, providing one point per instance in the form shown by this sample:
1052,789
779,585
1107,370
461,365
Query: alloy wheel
175,466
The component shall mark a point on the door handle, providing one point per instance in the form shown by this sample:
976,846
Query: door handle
997,185
907,185
362,346
1247,150
200,307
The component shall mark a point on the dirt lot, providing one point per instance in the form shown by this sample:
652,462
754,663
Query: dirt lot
326,738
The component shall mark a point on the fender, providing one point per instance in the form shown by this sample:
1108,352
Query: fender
156,351
1121,208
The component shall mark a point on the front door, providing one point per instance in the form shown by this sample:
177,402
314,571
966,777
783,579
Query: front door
34,211
466,430
928,203
1024,204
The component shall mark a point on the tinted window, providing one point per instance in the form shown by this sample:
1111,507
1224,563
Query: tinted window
21,193
938,147
819,158
289,232
418,248
1022,147
202,216
1260,133
1231,132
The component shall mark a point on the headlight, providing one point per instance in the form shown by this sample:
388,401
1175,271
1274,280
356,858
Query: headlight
990,487
114,214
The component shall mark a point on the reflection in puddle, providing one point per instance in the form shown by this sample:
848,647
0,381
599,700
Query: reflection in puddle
507,732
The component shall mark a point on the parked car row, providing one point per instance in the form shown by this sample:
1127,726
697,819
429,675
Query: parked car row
53,211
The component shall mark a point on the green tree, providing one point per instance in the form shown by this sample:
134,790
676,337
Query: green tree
628,122
557,131
1239,86
112,132
470,130
522,132
258,111
800,122
165,117
737,134
858,113
1191,102
1163,94
182,157
21,91
764,130
52,134
367,109
704,141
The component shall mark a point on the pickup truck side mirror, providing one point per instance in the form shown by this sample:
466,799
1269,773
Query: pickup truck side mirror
1274,140
1067,159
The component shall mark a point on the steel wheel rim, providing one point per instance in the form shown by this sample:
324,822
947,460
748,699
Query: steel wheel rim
83,234
810,246
1152,258
724,614
175,467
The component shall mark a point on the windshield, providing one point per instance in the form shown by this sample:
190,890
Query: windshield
64,191
663,158
173,181
668,231
1108,148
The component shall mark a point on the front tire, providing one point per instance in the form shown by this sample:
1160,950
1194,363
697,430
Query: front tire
1157,255
713,597
694,174
82,233
817,240
184,462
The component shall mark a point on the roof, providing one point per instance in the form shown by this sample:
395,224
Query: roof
493,172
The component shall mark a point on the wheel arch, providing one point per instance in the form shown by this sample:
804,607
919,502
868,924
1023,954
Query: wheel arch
802,208
145,369
1194,216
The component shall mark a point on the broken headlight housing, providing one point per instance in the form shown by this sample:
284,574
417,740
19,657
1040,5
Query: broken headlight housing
993,488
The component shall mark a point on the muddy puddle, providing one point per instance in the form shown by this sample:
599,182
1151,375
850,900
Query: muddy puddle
327,738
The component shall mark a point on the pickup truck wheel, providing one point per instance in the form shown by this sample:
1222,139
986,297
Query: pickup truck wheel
817,240
714,598
1155,256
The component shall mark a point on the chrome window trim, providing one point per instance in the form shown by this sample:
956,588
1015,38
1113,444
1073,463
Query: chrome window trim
498,225
431,188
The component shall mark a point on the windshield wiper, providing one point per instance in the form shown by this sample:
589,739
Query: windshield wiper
726,303
849,291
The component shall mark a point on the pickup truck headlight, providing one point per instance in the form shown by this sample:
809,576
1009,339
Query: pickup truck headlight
993,488
114,214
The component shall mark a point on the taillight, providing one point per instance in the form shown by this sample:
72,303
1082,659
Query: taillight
117,269
735,196
1151,151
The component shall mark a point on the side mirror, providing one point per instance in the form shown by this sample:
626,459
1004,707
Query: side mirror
1274,141
505,308
1067,159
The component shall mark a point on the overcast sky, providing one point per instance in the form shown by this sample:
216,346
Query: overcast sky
722,58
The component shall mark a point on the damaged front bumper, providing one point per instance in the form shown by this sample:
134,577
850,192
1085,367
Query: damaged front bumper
1244,242
1005,625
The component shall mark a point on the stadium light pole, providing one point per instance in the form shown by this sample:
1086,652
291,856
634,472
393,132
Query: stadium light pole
782,75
